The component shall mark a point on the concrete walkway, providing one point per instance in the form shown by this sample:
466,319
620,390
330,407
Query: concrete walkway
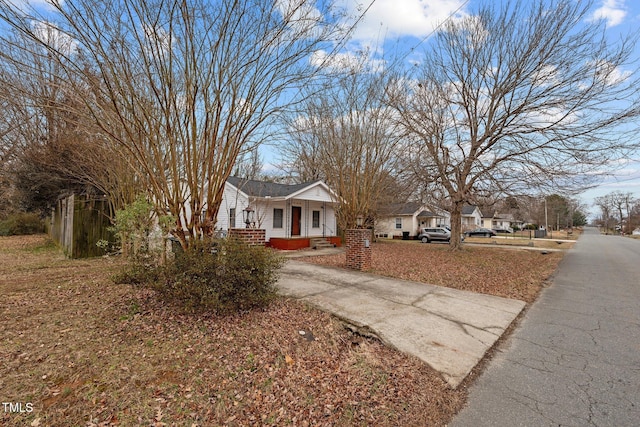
575,358
448,329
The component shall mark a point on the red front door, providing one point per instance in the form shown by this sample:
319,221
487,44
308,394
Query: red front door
296,216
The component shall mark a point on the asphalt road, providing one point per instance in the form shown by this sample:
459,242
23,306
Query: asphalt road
575,358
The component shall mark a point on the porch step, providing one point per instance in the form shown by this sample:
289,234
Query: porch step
320,243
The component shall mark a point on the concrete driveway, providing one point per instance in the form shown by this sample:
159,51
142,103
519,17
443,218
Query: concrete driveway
449,329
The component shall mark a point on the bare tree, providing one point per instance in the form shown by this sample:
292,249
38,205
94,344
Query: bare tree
630,202
185,87
577,213
635,214
250,166
48,144
558,211
623,204
345,135
605,203
519,97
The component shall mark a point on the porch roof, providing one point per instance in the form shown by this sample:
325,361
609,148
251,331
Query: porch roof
428,214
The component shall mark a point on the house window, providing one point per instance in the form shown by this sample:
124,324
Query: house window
232,218
277,218
316,219
398,223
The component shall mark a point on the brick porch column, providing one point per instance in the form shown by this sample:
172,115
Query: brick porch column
358,244
251,236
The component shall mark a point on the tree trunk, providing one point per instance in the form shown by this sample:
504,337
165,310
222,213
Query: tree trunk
456,225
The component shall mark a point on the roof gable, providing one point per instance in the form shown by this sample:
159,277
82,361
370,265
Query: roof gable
468,210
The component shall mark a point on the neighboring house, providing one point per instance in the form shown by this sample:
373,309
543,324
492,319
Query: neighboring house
471,217
399,219
501,222
290,214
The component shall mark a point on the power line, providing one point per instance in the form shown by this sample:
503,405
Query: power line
433,31
437,27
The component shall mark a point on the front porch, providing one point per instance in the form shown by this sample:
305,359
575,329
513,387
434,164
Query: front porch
292,216
295,243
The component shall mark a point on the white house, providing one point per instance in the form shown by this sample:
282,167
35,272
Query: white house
501,221
471,217
409,218
290,214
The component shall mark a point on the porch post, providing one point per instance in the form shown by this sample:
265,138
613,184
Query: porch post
306,218
250,236
324,219
287,214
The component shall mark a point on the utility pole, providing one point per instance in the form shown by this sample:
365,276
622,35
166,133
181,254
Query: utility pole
546,217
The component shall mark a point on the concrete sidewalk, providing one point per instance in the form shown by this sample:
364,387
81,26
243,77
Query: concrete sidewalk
448,329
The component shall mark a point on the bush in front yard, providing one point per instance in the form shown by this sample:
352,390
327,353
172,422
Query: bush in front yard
225,277
21,223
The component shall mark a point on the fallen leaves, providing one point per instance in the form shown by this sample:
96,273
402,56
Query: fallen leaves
125,359
509,273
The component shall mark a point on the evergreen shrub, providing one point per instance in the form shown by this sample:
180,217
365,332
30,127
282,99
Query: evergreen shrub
222,277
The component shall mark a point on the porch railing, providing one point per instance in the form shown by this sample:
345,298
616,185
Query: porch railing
324,230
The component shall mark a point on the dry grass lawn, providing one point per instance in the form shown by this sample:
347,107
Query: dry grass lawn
86,352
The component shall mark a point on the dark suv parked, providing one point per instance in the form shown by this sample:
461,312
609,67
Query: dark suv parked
428,234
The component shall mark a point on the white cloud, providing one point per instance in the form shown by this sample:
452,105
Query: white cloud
545,76
391,20
399,18
49,34
157,37
612,11
351,61
301,16
608,73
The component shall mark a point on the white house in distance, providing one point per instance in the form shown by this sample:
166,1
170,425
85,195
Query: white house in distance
410,217
501,222
471,217
291,215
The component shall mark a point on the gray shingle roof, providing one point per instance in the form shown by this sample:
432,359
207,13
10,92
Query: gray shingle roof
408,208
263,189
429,214
468,209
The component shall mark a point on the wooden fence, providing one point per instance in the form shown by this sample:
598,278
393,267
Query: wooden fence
78,223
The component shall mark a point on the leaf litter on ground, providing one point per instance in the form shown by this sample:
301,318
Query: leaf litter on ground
85,351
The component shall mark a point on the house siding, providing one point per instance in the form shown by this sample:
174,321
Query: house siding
231,198
387,226
496,223
472,219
